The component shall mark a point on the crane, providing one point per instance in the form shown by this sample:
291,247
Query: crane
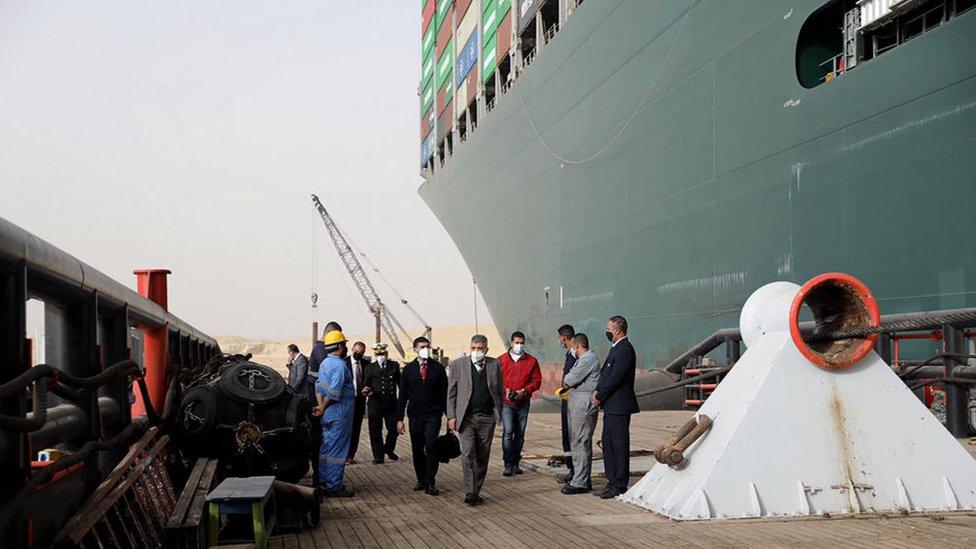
386,320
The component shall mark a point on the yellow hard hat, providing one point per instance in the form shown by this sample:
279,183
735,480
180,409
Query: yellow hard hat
334,337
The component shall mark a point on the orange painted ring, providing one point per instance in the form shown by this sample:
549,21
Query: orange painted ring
861,291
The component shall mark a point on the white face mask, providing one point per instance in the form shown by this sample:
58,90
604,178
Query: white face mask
517,348
424,353
381,359
477,355
573,352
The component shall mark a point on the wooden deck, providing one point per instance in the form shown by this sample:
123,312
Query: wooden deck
529,511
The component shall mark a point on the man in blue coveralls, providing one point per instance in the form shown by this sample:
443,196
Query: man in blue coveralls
335,395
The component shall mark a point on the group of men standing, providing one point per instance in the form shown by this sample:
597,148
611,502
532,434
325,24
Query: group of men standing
475,392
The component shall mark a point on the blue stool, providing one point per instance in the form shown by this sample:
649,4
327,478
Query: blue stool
243,496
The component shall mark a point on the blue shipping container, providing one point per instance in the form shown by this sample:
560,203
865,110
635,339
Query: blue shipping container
467,58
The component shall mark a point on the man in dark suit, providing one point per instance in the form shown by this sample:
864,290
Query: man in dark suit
357,365
423,399
615,394
566,333
380,383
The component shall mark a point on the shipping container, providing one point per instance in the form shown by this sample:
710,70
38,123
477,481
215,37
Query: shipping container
445,122
461,99
427,71
427,97
427,15
427,44
443,7
444,64
424,127
489,59
489,19
444,34
527,10
504,35
461,7
426,148
467,58
466,25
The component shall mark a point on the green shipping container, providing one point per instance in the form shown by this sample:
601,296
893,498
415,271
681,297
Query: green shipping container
442,8
489,19
449,92
445,64
427,98
430,39
489,58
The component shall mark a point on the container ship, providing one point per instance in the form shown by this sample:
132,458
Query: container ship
659,160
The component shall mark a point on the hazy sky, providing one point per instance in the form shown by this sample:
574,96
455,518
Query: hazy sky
188,134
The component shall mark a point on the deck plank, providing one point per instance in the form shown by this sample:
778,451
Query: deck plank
528,510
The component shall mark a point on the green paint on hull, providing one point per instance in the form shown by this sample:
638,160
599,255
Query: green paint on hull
732,175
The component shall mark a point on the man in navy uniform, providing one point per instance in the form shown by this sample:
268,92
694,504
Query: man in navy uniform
615,394
380,384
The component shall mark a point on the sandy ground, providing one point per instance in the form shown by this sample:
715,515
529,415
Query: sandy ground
453,339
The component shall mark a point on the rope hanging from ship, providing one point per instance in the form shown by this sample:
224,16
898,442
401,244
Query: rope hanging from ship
630,119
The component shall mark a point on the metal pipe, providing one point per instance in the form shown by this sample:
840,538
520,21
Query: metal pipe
54,268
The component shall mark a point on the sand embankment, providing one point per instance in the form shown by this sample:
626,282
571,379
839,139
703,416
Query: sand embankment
453,339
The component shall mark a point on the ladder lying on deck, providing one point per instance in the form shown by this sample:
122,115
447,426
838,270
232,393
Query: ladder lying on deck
131,506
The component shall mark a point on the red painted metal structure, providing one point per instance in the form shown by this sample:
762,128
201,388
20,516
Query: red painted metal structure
151,284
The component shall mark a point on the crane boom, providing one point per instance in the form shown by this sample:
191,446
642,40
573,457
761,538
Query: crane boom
388,321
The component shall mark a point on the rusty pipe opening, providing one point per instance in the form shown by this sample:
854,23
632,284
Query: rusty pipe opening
838,302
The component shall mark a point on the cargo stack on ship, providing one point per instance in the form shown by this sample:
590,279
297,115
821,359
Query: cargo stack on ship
659,160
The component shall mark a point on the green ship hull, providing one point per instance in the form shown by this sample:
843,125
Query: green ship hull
730,175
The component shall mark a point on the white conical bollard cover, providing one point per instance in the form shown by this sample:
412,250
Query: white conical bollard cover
789,439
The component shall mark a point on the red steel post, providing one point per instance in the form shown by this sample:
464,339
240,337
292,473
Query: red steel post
151,283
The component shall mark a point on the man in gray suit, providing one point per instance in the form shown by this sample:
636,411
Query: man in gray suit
581,381
474,406
297,369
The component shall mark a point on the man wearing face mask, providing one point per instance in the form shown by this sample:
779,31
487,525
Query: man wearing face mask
566,333
357,366
581,381
335,396
380,384
474,407
615,395
423,397
521,377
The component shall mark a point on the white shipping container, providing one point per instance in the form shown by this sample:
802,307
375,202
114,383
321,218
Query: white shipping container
470,21
875,12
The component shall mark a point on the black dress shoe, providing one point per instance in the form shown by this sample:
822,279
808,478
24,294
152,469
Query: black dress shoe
517,470
478,500
569,490
419,487
392,456
469,499
599,493
508,471
342,492
432,491
378,461
610,494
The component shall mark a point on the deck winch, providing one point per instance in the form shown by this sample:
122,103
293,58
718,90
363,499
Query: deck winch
804,425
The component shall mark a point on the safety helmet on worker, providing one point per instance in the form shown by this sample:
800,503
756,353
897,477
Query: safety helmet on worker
333,339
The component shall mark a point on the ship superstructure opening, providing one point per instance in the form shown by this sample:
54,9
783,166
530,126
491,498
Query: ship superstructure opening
843,33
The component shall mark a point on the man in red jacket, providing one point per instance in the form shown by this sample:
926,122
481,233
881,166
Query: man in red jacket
520,377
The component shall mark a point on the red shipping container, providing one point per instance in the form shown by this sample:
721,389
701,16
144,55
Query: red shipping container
424,127
428,16
461,8
504,36
472,85
439,105
445,33
445,123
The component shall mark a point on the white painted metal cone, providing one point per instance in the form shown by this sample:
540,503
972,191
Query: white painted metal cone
790,438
